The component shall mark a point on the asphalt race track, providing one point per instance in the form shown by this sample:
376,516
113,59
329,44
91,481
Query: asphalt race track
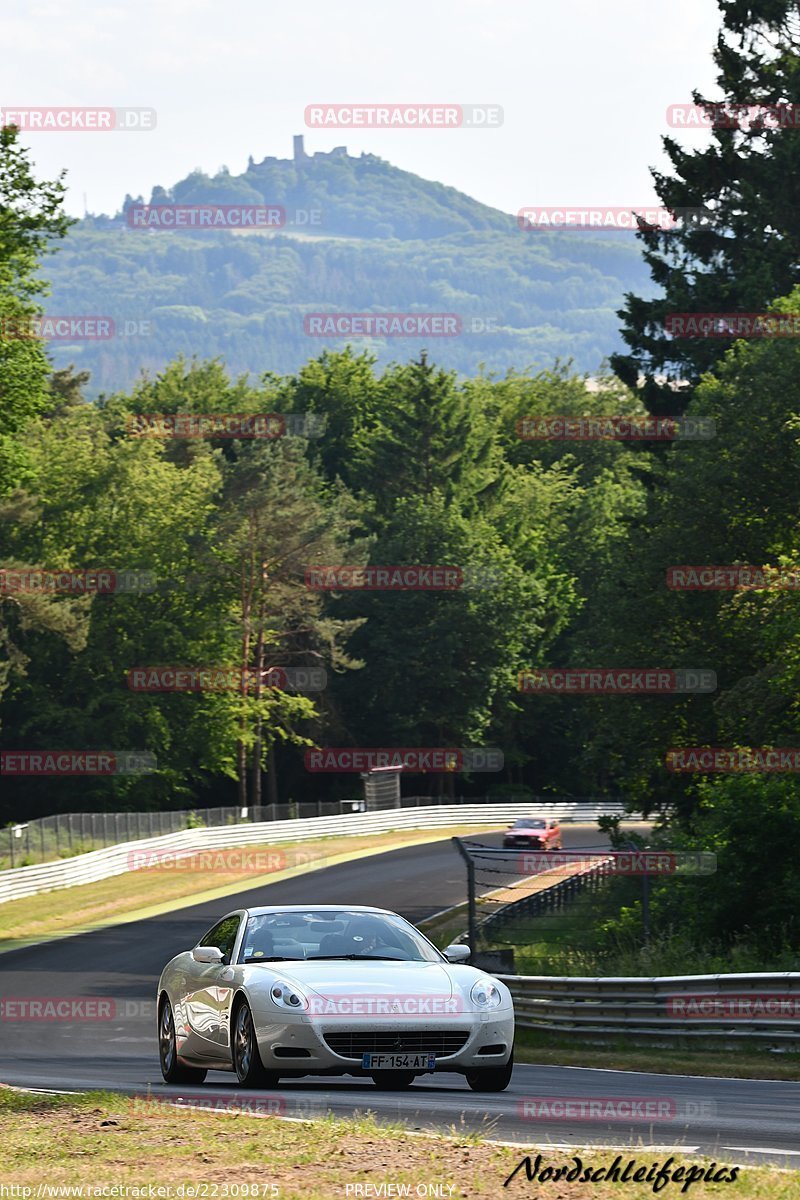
732,1120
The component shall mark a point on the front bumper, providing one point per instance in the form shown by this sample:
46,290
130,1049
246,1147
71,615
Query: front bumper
302,1044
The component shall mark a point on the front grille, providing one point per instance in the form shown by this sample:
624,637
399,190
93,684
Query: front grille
352,1043
523,841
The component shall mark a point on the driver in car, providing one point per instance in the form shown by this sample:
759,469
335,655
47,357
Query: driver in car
365,937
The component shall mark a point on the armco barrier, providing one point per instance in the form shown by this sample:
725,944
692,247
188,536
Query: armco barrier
62,835
102,864
643,1007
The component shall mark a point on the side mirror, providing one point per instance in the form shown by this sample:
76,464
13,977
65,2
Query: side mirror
457,953
207,954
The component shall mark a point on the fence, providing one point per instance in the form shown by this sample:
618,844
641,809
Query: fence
47,838
557,893
102,864
762,1006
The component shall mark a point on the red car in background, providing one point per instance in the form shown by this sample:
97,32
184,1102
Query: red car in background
533,833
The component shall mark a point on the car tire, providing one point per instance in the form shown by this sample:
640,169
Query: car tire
247,1062
491,1079
173,1070
393,1081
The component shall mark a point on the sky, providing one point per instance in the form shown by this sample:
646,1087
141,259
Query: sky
584,87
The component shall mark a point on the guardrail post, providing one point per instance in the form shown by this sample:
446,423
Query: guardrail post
645,902
472,918
646,908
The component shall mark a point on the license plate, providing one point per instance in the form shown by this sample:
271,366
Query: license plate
398,1062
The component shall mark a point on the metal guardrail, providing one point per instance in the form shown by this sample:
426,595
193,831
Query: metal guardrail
667,1006
45,839
103,864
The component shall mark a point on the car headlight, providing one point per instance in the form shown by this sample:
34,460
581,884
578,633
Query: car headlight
286,996
486,995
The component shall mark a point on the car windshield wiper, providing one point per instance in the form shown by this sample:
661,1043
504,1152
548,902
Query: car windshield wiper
272,958
360,957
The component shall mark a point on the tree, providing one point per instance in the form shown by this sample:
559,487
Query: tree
429,437
30,218
750,178
722,501
342,388
275,519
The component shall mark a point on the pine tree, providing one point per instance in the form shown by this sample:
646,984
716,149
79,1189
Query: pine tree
430,438
749,176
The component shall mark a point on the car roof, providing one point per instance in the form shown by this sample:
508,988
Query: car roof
263,910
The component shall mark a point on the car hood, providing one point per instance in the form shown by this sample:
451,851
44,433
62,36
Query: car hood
335,979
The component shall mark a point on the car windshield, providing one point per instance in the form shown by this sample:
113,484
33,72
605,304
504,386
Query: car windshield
535,823
333,934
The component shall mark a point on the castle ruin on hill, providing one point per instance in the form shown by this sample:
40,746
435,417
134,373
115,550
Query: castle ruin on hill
299,155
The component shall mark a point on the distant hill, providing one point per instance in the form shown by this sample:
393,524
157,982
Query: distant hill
385,241
364,197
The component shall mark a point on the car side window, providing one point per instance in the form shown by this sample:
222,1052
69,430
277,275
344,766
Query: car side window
223,936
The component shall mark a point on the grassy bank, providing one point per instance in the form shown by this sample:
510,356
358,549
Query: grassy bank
99,1139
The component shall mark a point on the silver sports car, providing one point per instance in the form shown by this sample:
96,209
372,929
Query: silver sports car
282,992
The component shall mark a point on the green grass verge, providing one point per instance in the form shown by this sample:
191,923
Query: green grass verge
107,1140
675,1058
